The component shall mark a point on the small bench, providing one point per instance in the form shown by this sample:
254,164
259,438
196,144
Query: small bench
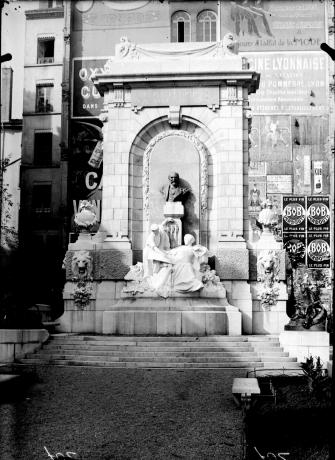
244,388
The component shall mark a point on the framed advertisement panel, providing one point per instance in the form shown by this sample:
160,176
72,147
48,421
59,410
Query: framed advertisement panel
295,245
294,214
318,250
318,214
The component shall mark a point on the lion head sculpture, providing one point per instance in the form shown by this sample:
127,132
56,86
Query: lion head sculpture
82,265
267,264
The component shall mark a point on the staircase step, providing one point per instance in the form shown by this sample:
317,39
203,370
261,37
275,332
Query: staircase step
132,339
65,362
135,348
205,352
145,359
148,354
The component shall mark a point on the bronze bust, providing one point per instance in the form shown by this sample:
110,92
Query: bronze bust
173,191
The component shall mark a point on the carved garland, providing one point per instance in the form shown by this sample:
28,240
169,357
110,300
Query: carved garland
203,167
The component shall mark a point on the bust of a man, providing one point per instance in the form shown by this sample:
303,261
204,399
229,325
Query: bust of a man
173,190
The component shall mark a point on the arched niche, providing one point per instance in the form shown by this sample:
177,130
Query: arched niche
155,153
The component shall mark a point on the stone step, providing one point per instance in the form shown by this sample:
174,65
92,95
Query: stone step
280,366
149,365
132,339
135,348
223,354
154,359
165,344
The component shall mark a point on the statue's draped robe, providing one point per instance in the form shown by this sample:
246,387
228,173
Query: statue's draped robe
182,274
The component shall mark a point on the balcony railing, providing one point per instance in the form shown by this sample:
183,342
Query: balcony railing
45,60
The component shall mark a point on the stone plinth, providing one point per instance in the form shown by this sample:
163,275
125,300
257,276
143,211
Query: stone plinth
303,344
185,315
15,343
272,320
267,241
173,209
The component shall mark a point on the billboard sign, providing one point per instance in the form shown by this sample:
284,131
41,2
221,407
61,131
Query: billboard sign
275,25
310,242
86,100
290,84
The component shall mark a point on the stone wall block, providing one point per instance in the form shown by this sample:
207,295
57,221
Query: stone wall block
232,263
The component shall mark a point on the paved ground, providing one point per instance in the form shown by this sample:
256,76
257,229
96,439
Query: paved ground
105,414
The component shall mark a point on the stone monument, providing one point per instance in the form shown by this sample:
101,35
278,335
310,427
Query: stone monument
177,111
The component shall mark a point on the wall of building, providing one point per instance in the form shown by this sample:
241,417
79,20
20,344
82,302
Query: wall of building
281,39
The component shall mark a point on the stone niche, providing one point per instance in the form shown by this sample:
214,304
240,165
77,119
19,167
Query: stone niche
175,152
174,107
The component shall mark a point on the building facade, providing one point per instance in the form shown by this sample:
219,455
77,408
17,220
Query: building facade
291,138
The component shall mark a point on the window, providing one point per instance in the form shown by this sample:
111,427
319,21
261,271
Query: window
41,199
43,149
43,97
45,50
206,26
181,27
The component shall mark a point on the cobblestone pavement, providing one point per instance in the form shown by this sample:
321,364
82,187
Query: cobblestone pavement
102,414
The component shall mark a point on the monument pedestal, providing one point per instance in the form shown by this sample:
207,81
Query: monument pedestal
173,212
303,344
187,314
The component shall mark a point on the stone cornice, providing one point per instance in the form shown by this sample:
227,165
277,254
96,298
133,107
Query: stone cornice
247,78
45,13
176,64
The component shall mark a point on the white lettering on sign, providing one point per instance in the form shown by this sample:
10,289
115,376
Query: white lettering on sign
87,92
85,74
90,180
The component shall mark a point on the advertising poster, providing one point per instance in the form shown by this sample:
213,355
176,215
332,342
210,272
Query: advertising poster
257,193
279,183
86,100
294,214
318,250
318,214
86,166
270,138
276,199
295,245
292,84
275,25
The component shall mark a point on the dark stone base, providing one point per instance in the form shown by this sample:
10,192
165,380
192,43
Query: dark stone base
298,325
